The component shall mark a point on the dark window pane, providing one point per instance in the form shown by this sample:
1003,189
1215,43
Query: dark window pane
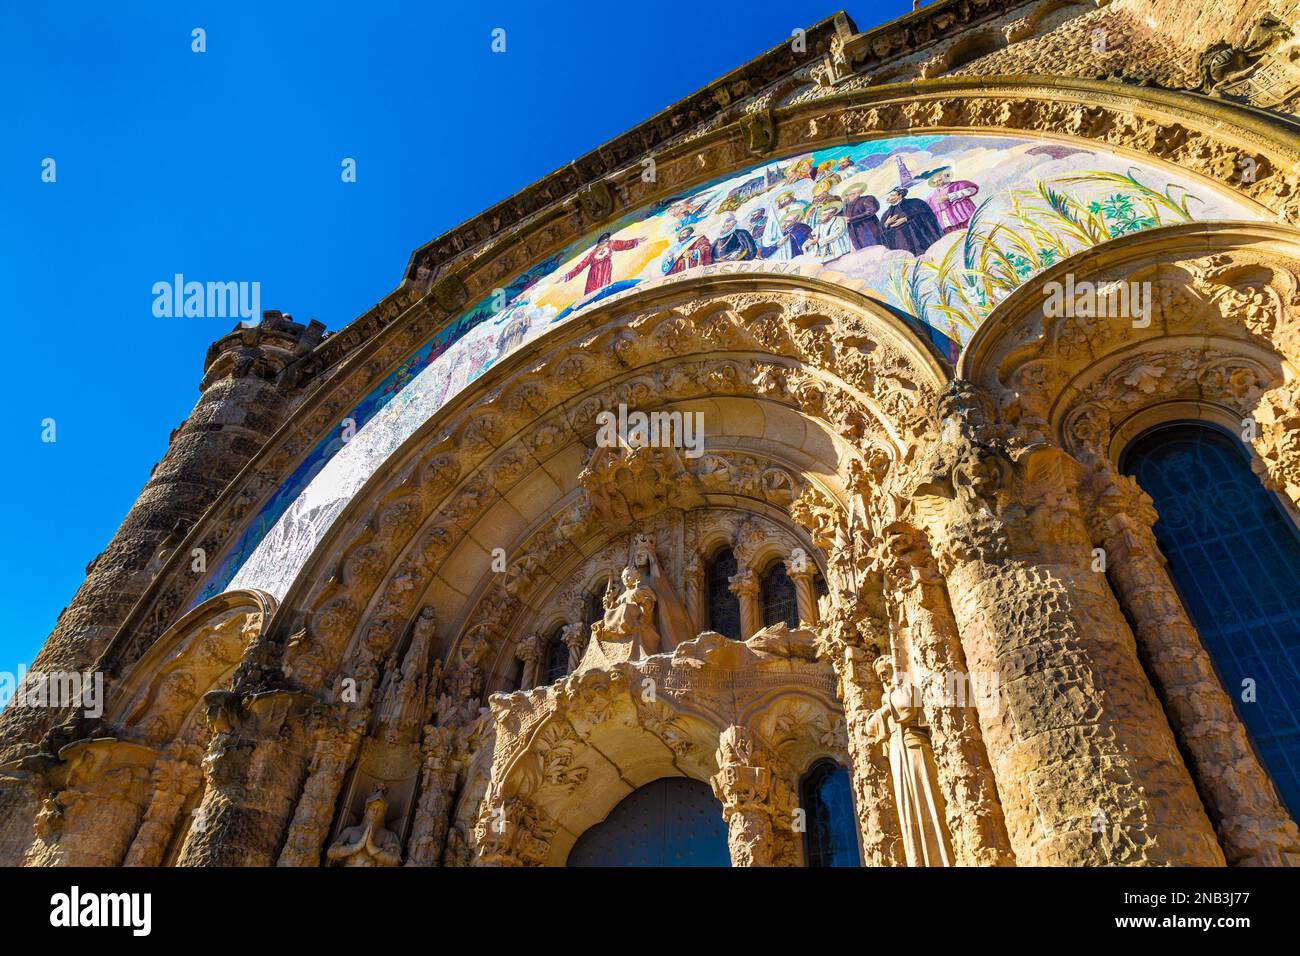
556,663
724,607
595,607
1234,555
831,837
779,602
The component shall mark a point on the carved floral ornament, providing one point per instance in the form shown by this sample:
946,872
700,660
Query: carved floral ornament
1211,140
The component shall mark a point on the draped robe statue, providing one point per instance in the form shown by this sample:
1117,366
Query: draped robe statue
645,618
368,843
899,725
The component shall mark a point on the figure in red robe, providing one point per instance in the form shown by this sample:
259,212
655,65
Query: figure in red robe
601,262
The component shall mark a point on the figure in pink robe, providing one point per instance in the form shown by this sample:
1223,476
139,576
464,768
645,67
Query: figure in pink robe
599,262
951,201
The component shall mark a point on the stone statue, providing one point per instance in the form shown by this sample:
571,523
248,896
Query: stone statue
899,725
627,631
674,624
632,616
368,843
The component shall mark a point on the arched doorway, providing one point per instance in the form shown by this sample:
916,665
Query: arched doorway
1234,555
674,821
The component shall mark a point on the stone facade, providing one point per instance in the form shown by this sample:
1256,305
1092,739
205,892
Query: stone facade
934,521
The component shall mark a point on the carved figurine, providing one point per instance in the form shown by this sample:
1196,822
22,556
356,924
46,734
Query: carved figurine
368,843
900,726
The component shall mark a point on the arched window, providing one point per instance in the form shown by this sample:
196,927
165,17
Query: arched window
831,834
595,606
1234,555
779,601
724,607
555,663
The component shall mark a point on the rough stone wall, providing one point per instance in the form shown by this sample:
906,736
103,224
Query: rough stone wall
1146,41
242,403
1198,23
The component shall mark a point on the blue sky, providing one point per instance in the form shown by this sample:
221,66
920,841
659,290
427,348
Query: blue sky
225,165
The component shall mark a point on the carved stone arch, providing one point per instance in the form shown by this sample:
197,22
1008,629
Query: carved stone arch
801,727
675,318
1205,138
1224,332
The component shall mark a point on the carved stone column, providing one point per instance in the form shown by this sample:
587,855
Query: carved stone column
96,794
744,584
253,769
851,652
801,573
757,803
174,780
574,637
529,651
919,598
1086,766
693,580
337,738
1253,826
441,749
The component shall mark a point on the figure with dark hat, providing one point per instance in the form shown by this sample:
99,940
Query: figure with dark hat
860,212
909,224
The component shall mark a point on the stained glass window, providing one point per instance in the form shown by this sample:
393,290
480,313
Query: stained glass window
831,834
556,663
1234,554
724,607
779,601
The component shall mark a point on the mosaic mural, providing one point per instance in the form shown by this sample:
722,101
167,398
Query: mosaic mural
941,228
